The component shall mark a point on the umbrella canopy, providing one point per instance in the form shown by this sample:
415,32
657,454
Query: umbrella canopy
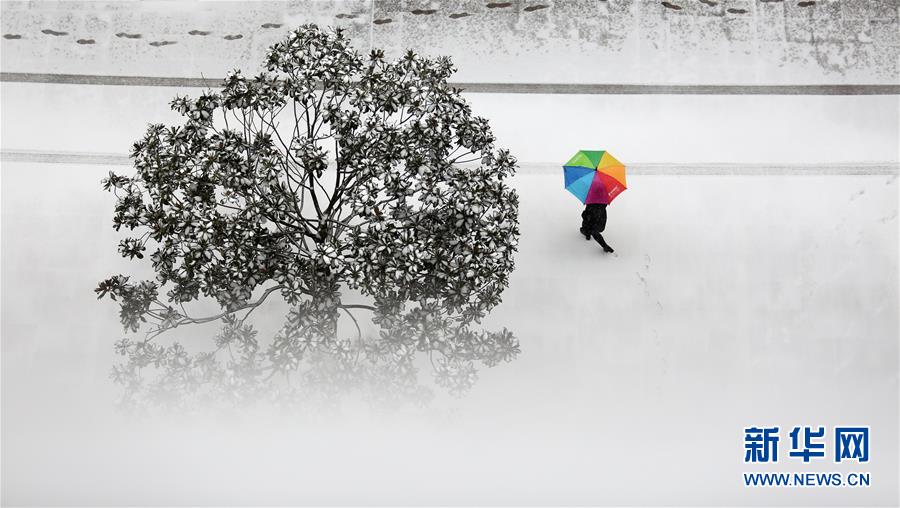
594,176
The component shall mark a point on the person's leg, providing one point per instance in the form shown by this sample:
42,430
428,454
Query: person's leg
599,238
585,229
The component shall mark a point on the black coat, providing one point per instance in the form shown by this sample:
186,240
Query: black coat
593,222
593,218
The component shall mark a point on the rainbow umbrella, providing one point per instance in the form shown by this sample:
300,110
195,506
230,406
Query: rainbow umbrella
594,176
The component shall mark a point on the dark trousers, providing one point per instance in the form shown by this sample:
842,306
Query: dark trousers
598,238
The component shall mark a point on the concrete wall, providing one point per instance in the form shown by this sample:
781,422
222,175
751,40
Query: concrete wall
584,41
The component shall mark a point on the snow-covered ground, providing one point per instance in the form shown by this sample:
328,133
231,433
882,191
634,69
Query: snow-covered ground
731,301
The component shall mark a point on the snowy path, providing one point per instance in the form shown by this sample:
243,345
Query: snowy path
731,301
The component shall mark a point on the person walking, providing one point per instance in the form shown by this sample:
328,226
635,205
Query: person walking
595,177
593,223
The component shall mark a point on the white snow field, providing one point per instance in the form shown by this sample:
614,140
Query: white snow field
731,301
